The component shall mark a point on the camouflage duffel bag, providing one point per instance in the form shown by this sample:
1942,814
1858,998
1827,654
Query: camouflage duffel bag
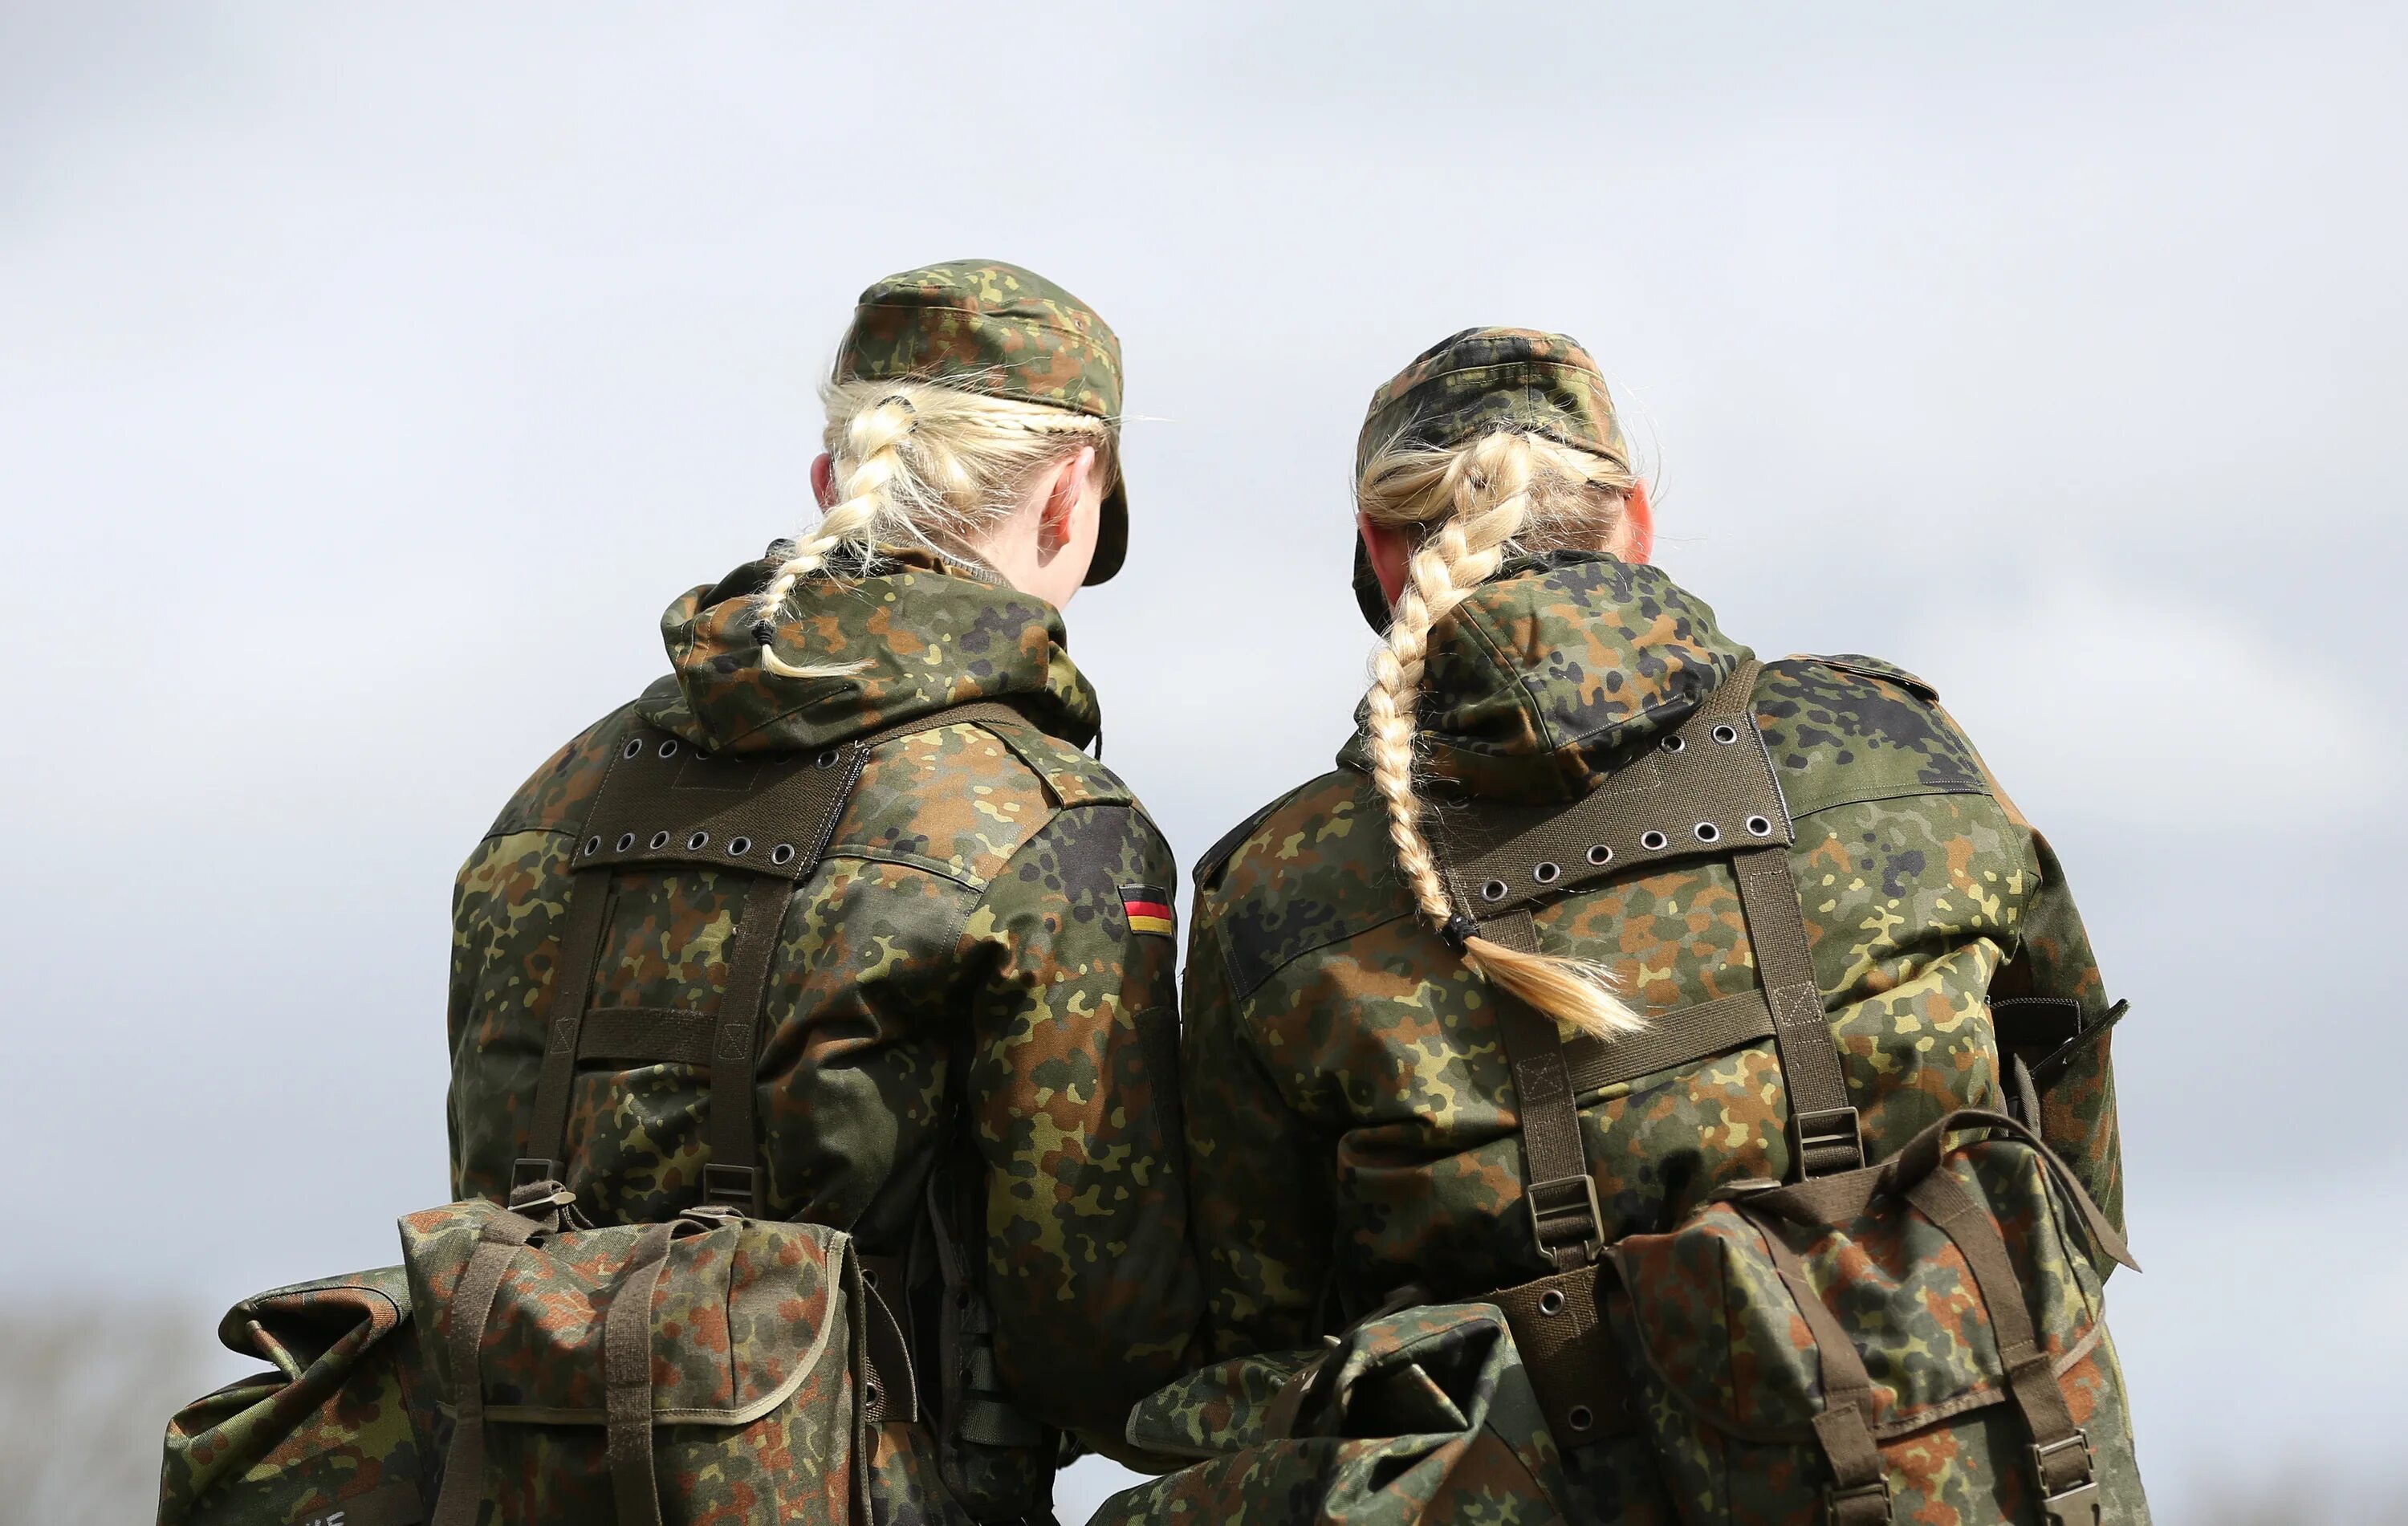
1919,1340
710,1368
329,1437
1423,1415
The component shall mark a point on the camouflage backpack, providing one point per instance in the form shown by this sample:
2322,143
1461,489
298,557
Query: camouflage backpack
1919,1338
714,1367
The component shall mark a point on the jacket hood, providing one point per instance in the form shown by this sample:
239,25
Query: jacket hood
931,639
1555,672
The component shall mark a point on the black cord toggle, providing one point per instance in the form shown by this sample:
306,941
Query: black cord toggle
1459,931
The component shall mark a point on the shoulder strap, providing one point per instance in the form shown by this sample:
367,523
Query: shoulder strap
665,801
1565,1218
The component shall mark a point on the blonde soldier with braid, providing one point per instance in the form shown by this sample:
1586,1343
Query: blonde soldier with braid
1613,977
939,1011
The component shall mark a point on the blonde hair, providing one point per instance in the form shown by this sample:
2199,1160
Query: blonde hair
922,466
1506,493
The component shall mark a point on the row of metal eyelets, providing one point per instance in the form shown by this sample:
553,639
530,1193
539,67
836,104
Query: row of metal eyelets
1653,842
737,847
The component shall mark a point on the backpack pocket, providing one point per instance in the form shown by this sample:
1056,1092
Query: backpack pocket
713,1367
1920,1340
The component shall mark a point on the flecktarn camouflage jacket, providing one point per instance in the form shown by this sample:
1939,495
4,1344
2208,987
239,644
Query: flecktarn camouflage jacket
1350,1106
981,961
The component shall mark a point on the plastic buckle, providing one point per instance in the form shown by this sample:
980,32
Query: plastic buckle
2077,1505
531,1170
1864,1505
1829,1142
1565,1212
729,1187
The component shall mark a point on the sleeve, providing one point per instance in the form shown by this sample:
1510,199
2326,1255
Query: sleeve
2078,1096
1260,1174
1074,1105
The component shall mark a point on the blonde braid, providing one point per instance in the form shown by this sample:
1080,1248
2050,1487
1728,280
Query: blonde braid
874,447
1489,484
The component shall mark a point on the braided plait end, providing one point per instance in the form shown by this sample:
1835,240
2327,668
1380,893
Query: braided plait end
873,448
1488,486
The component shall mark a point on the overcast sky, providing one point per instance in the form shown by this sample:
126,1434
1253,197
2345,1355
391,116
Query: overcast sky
371,376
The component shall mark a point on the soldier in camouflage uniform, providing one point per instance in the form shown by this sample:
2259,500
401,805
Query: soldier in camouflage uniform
1350,1111
977,980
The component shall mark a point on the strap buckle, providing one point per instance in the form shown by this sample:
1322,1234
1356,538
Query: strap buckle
1860,1504
1563,1213
733,1188
1827,1143
2077,1503
532,1171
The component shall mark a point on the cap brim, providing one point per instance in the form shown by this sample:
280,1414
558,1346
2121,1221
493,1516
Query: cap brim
1368,595
1111,536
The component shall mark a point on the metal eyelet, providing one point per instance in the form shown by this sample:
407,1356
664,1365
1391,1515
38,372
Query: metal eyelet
1581,1416
660,839
1494,891
1551,1302
1547,873
1653,841
826,760
1707,832
1760,826
869,1276
1726,733
869,1394
1600,855
783,853
698,842
635,745
593,847
668,748
1673,743
739,846
626,841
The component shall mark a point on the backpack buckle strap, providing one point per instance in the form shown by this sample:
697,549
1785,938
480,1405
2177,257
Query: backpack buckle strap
1565,1219
737,1188
1864,1505
531,1170
2068,1497
1827,1143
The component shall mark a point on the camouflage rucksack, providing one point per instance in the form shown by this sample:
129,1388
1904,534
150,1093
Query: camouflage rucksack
714,1367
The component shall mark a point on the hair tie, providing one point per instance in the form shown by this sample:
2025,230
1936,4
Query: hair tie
1459,931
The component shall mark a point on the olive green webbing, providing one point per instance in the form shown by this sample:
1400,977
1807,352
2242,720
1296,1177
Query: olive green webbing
628,1379
1556,1177
472,1307
1859,1485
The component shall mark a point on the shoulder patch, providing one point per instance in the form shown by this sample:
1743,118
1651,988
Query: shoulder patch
1890,672
1149,910
1208,869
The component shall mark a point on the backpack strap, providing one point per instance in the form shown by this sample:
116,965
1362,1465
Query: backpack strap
1565,1218
665,801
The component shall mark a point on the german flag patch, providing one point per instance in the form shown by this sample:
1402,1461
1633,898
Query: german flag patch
1149,911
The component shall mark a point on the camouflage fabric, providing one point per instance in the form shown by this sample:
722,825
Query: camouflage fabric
959,972
1480,379
1730,1379
337,1426
758,1342
1350,1109
988,327
1425,1415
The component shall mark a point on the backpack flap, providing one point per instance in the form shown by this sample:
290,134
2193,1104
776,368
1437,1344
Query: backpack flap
742,1385
328,1434
1905,1330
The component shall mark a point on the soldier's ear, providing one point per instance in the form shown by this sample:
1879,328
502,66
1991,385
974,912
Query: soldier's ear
823,479
1638,525
1389,548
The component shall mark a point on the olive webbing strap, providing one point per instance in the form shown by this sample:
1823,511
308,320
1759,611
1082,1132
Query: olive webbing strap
472,1307
572,976
2068,1481
732,1176
1565,1219
1826,1134
1859,1492
628,1379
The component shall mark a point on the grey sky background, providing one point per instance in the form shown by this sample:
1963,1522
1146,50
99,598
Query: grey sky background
371,376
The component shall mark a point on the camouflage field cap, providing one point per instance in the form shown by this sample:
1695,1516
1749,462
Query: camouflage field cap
988,327
1480,379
